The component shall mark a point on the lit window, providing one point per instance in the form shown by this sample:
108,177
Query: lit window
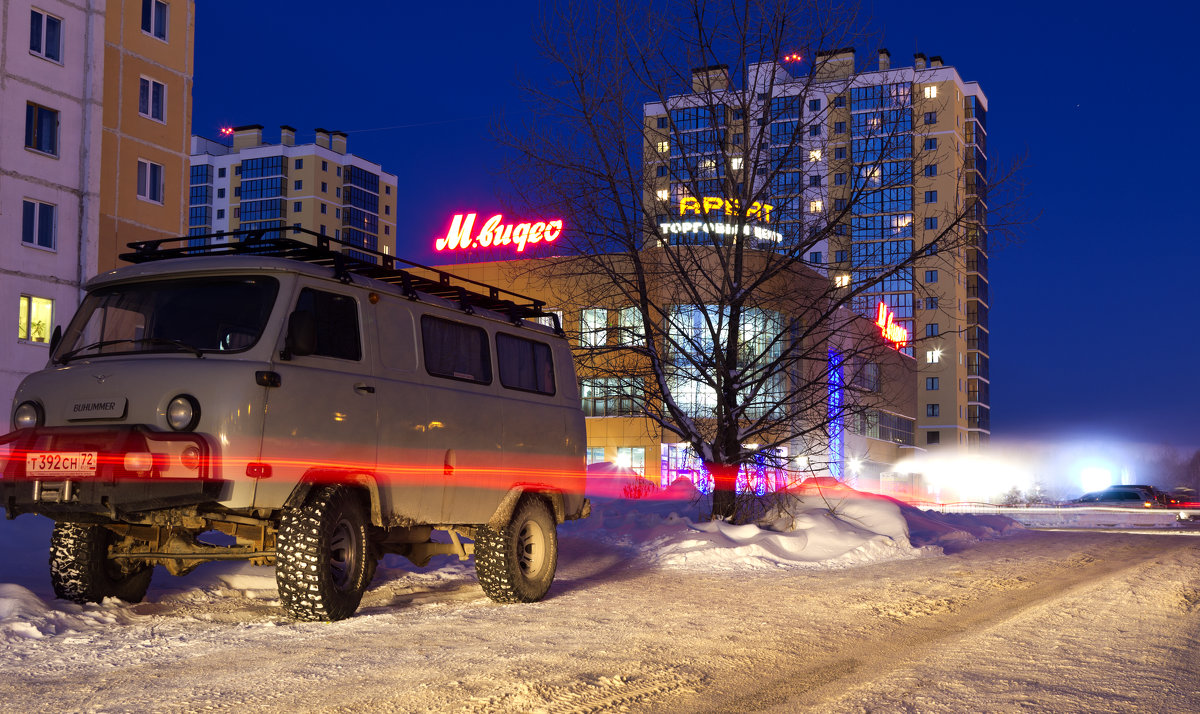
595,455
154,18
37,224
933,356
593,327
707,164
931,92
41,129
629,327
841,281
664,147
735,163
632,458
45,36
814,155
662,194
37,314
150,181
816,206
152,99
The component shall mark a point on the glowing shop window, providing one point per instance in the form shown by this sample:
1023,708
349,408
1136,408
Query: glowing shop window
841,281
664,147
735,163
931,92
662,194
814,155
816,206
33,324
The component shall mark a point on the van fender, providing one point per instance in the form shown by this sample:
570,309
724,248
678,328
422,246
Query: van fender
508,504
314,478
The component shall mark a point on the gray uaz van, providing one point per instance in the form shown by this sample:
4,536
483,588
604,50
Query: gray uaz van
322,405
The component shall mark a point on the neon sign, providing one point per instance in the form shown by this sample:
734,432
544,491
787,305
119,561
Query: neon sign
492,233
891,332
700,206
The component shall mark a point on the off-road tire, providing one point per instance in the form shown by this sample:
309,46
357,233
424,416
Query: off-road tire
81,571
517,562
323,556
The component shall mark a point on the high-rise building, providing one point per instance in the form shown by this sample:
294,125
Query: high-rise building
104,90
252,184
883,164
148,60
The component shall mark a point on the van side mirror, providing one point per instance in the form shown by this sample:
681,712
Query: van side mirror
55,338
301,337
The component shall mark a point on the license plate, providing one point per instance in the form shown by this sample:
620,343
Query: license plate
61,464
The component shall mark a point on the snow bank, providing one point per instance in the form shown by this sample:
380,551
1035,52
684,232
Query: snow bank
25,616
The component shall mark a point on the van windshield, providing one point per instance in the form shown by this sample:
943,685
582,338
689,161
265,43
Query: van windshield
196,315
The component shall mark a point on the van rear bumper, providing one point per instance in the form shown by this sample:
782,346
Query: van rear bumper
92,500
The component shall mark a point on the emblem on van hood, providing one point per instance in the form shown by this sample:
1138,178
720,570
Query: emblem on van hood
100,378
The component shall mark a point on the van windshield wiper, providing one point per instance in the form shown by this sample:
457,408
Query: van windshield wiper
149,340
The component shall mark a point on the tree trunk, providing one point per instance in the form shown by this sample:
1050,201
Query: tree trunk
724,489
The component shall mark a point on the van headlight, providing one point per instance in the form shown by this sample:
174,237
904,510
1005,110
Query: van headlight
183,413
28,415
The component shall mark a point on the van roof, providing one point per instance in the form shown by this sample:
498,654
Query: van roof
298,249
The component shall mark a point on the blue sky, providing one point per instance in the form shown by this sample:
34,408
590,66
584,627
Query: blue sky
1093,331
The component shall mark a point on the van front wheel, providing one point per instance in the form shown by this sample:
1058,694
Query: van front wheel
323,560
517,562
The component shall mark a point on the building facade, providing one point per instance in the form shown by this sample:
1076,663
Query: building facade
885,164
252,184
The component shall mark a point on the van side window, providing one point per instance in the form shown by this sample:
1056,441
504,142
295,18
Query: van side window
525,364
336,318
455,350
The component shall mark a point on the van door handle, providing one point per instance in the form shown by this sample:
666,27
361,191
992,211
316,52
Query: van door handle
364,388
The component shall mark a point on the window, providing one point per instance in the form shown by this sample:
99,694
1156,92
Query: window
150,181
37,315
593,327
735,163
337,213
322,229
524,364
338,170
839,152
737,139
839,179
931,223
931,303
931,384
814,130
933,437
931,92
237,191
839,256
324,165
152,99
931,330
45,36
610,396
814,155
814,180
661,123
41,129
220,193
814,105
38,224
297,206
931,197
931,143
660,171
841,281
335,319
387,231
839,100
632,458
931,249
221,172
595,455
324,187
931,169
839,127
337,191
299,163
298,185
455,351
932,410
931,276
154,18
815,257
815,206
629,327
323,207
840,205
931,117
663,147
662,194
933,356
220,213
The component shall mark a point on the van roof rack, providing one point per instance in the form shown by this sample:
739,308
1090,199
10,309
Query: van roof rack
345,258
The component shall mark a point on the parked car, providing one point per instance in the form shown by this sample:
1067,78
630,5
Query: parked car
321,403
1130,497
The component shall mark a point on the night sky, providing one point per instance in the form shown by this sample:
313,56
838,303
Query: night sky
1094,330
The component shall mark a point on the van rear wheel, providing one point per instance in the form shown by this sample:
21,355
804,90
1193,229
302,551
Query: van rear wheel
323,559
81,571
517,562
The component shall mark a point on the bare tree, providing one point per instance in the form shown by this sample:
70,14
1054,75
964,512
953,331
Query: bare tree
699,179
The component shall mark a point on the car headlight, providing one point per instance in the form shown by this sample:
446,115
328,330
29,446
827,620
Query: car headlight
27,415
183,413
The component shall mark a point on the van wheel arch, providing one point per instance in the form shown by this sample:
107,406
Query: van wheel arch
508,505
363,482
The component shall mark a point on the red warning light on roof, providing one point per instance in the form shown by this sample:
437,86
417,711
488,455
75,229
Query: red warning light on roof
793,57
226,131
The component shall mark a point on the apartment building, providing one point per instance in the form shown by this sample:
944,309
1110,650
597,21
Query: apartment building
879,165
249,183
